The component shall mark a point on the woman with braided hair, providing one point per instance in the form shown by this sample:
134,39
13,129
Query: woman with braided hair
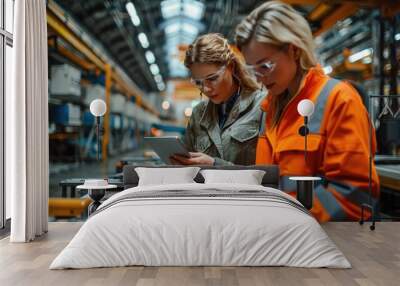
222,130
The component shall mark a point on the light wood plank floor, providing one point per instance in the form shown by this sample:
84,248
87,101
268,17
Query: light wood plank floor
374,255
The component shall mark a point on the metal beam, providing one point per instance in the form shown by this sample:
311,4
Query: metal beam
302,2
362,3
106,137
71,56
319,11
344,11
390,10
70,37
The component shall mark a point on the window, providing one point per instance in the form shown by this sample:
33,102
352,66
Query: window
2,44
9,64
6,63
9,13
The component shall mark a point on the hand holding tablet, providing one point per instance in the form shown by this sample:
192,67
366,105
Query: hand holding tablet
196,158
172,151
167,146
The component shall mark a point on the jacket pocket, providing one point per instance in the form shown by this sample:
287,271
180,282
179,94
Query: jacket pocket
244,133
243,145
203,144
290,154
296,143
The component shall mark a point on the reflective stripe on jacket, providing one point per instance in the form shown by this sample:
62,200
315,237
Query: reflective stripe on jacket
338,146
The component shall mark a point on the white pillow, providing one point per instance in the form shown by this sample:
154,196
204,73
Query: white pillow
248,177
166,176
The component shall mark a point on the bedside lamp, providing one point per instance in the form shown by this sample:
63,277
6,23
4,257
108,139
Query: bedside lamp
96,187
305,108
98,108
305,185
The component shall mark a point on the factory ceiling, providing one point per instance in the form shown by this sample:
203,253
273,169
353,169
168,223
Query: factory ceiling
147,37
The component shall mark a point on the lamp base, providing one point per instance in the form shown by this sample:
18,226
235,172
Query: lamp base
305,193
96,195
368,206
305,190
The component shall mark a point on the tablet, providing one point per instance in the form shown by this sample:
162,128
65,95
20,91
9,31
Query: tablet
167,146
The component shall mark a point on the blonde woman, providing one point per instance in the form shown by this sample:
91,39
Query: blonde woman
278,47
224,129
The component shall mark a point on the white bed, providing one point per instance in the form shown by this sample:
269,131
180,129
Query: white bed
242,228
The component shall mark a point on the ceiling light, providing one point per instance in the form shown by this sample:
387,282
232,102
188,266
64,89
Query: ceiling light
190,8
165,105
132,13
367,60
154,69
170,8
397,37
150,57
143,40
172,28
343,31
328,69
161,86
193,9
176,68
158,78
188,111
359,55
190,29
347,22
359,36
318,40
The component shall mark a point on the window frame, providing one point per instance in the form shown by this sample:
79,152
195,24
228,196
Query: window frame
6,39
2,89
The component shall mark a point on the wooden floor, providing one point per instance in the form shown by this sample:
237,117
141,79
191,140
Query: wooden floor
375,256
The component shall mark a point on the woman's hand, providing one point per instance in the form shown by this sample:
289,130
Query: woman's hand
196,158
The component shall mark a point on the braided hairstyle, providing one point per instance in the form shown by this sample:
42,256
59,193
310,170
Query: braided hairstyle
214,49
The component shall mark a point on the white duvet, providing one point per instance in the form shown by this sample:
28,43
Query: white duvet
191,231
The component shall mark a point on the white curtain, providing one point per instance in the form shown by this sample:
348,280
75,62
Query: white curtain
27,124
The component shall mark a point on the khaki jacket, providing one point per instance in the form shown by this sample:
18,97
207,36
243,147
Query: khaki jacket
236,143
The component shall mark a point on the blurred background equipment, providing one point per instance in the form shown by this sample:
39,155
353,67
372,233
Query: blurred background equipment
130,54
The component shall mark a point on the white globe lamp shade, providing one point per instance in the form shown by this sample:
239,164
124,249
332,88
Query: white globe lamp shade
98,107
305,107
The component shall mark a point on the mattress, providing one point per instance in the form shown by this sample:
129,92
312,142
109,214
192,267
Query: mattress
201,225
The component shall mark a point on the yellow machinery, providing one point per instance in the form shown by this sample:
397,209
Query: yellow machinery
68,207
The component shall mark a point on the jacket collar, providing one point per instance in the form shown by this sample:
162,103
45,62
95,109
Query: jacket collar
209,118
245,99
210,113
312,77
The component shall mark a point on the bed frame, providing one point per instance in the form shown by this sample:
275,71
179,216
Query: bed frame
270,179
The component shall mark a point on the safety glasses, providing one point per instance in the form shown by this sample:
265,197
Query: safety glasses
265,68
262,69
211,80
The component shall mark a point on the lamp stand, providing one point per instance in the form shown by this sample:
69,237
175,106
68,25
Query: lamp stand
369,204
304,131
305,187
98,136
96,195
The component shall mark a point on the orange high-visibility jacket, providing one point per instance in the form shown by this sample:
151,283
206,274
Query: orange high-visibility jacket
338,146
